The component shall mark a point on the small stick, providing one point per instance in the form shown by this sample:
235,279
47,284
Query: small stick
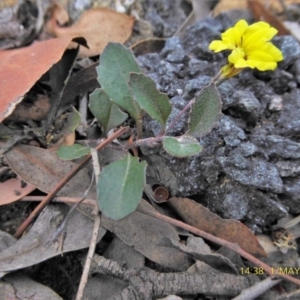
257,289
60,185
234,247
89,258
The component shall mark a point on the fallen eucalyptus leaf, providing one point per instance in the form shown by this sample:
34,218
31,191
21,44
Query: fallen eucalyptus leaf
31,248
25,288
144,234
42,168
200,217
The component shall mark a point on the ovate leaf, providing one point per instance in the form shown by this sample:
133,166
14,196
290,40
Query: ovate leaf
182,147
106,112
74,120
205,112
152,101
120,187
72,152
116,64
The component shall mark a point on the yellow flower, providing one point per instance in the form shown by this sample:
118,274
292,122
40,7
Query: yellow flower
251,47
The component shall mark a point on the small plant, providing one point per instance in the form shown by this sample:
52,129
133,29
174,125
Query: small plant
125,89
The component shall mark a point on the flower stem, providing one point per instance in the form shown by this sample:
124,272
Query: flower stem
180,114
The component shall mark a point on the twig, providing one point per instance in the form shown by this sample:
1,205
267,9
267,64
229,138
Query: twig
257,289
60,185
191,102
147,284
214,239
89,258
289,296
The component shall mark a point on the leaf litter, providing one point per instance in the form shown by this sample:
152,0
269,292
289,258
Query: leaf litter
154,239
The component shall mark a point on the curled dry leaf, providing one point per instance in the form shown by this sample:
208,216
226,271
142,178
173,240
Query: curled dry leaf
21,68
14,189
232,231
35,247
144,233
42,168
25,288
98,26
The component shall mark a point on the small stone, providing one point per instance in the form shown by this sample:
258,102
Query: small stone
290,49
276,103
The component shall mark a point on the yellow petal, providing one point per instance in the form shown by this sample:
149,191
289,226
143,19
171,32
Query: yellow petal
235,55
268,52
233,36
218,46
257,34
262,65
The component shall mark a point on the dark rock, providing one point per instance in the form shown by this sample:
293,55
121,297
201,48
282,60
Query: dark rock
195,85
199,36
173,51
164,16
291,194
295,70
235,201
247,105
288,122
255,173
288,168
282,81
247,149
276,146
290,49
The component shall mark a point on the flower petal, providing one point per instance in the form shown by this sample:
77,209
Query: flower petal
259,32
262,65
268,52
218,46
233,36
236,55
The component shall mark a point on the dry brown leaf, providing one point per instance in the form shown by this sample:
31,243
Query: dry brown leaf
260,13
44,169
233,231
271,5
147,46
144,233
36,110
32,248
21,68
98,26
14,189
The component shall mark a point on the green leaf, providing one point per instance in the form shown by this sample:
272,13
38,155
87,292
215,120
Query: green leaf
106,112
182,147
205,112
120,187
72,152
73,122
116,64
152,101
